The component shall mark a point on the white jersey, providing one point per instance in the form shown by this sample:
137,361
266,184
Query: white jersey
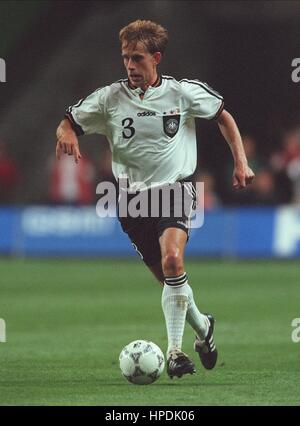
153,140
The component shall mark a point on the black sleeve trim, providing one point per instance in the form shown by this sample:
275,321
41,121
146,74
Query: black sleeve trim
219,112
75,126
207,88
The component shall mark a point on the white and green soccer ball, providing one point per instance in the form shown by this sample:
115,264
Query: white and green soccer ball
141,362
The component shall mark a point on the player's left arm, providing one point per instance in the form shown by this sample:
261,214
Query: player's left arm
242,173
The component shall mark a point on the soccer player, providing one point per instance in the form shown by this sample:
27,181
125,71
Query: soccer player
149,121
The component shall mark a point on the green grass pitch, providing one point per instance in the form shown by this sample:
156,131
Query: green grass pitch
67,321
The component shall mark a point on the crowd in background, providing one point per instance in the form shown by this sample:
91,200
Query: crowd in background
9,175
277,177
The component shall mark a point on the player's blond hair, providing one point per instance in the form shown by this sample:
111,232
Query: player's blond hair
153,36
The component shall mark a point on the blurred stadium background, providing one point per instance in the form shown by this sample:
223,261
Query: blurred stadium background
57,52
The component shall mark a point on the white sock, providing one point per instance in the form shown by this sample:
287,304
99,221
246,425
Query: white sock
174,305
197,321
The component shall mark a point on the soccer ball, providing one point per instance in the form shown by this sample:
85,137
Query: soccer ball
141,362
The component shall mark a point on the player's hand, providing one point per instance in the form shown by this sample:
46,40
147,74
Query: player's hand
68,144
242,176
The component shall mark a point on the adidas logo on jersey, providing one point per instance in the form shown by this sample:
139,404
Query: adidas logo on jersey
146,114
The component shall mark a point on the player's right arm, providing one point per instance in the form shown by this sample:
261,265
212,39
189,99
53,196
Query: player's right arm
86,117
67,141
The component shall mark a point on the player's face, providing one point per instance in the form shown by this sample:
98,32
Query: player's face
140,65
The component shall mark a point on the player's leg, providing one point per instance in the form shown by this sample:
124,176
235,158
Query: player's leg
172,257
175,294
203,324
175,299
198,321
157,271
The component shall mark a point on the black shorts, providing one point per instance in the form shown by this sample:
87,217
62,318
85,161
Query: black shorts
144,232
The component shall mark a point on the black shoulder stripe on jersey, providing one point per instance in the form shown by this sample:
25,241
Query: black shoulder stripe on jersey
97,90
75,126
77,105
168,78
218,112
203,87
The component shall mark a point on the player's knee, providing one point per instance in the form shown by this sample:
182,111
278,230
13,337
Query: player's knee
172,263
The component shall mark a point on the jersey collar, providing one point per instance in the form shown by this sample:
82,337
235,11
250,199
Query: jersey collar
138,91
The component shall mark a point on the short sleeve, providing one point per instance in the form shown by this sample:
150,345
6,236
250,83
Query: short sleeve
88,116
201,100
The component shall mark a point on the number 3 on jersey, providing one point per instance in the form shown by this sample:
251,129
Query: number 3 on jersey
128,130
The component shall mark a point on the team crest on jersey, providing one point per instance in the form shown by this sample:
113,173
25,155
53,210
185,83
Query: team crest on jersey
171,124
